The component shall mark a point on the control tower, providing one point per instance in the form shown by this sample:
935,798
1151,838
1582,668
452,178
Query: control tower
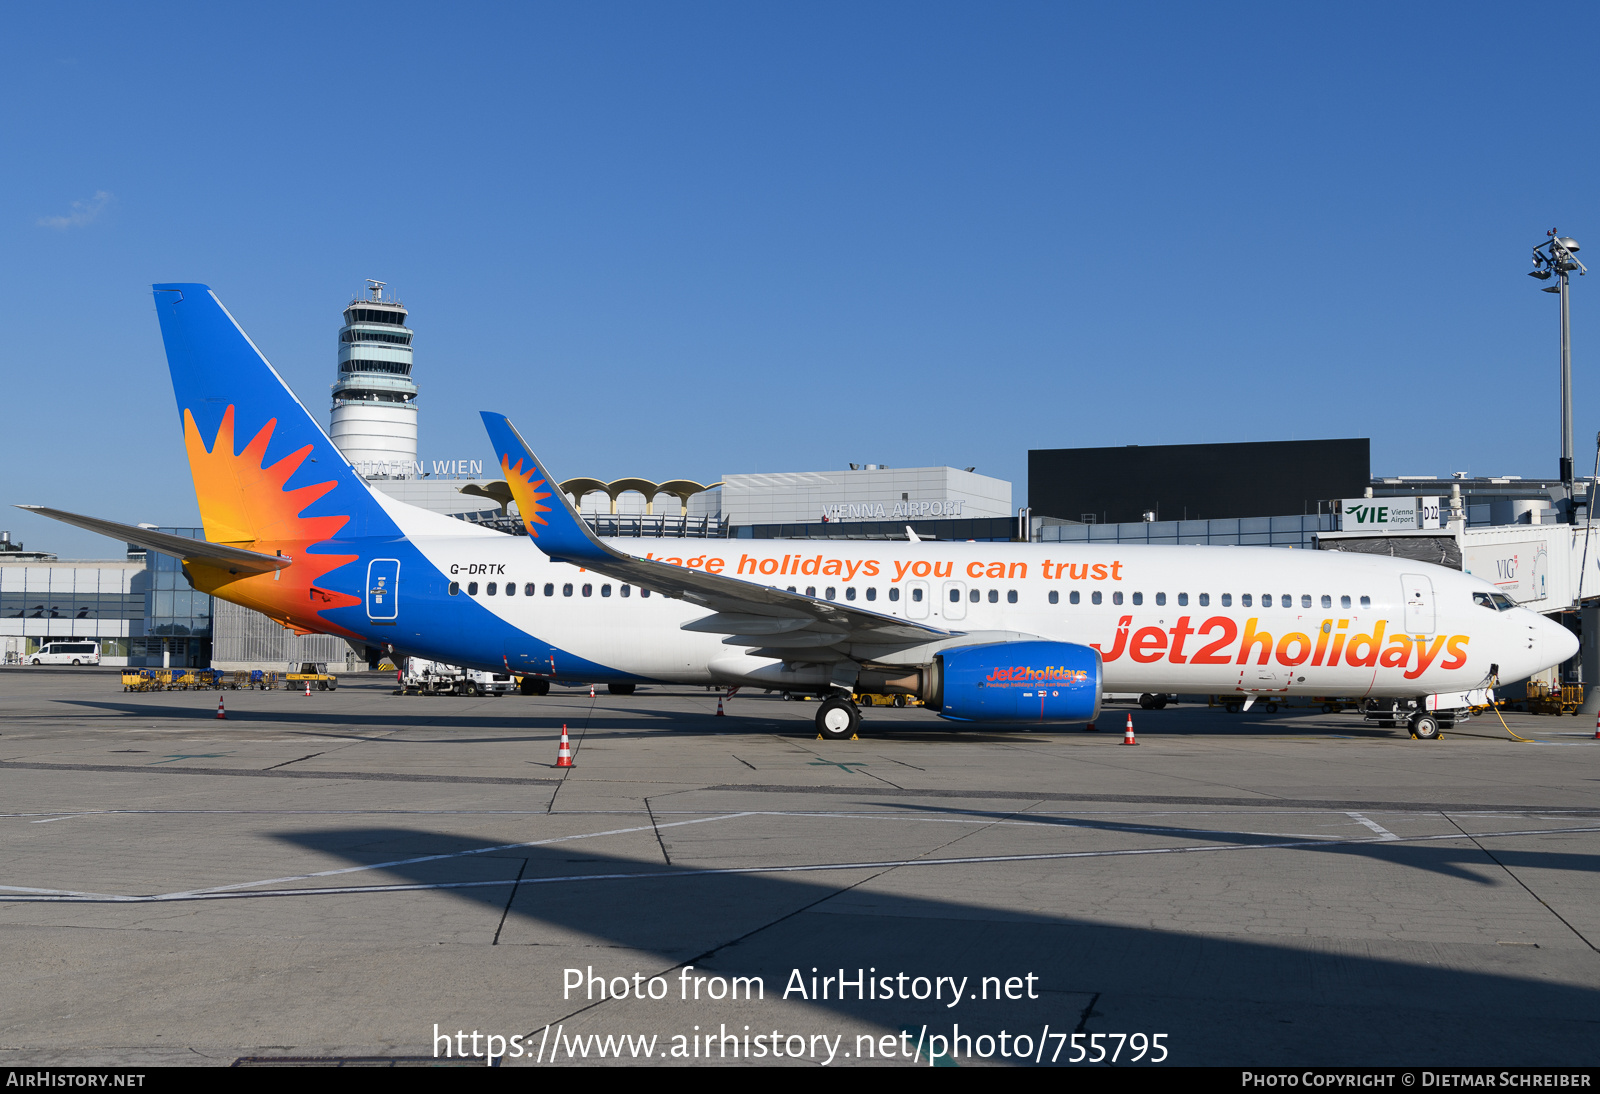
374,420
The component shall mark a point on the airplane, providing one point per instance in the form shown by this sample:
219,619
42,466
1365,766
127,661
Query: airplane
981,632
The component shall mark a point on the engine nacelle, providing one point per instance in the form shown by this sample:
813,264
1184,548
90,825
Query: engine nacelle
1018,682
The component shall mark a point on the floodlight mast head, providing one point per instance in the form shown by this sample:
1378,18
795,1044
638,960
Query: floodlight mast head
1557,257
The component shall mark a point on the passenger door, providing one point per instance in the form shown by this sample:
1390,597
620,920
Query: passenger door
1418,591
383,590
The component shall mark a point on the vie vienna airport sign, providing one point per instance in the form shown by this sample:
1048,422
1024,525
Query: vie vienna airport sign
1388,514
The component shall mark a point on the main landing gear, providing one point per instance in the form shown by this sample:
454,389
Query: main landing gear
837,718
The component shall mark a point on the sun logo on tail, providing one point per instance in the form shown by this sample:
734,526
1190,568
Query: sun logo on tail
244,503
529,489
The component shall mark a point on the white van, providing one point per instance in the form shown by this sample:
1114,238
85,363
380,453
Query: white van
67,653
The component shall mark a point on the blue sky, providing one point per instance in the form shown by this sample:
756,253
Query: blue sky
682,240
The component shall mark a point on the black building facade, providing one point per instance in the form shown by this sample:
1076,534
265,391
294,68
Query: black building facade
1196,481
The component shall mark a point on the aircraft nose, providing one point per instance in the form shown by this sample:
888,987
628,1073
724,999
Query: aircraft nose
1556,642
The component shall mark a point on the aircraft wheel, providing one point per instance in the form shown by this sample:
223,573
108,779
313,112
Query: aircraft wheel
1425,727
838,719
620,689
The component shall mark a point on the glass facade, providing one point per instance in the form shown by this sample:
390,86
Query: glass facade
177,618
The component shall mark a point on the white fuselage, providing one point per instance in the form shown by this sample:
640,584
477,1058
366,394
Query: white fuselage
1189,619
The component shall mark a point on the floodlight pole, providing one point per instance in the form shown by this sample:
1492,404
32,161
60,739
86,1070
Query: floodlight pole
1566,387
1557,256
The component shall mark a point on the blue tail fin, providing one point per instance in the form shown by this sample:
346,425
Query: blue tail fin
264,471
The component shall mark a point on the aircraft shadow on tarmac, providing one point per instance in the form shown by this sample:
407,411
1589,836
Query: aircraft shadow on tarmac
1434,857
1222,999
609,719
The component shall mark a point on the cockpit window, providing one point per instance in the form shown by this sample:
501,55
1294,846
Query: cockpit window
1503,602
1495,602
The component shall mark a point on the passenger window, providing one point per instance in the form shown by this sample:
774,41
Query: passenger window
588,590
791,588
626,590
472,588
916,595
830,592
1327,601
1286,600
455,587
1011,596
894,594
489,591
1366,602
605,590
1344,602
1227,600
511,588
1138,599
872,593
955,595
975,596
850,592
1055,597
1116,597
1204,600
1305,600
1244,600
566,590
1072,596
529,589
1161,599
1094,597
549,590
1183,600
811,590
646,592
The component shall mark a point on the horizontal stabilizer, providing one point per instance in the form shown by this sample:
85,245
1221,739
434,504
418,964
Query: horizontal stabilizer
233,559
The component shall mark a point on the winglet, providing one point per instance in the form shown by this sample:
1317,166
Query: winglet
547,515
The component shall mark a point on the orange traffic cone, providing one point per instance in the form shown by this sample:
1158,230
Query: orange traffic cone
308,689
1127,736
564,753
719,706
591,691
220,712
1090,728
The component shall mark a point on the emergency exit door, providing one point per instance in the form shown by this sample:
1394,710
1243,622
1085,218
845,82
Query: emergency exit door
383,590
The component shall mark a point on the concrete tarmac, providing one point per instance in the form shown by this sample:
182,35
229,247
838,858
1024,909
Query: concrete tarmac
357,876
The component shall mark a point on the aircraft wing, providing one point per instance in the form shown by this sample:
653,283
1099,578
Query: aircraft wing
751,615
235,560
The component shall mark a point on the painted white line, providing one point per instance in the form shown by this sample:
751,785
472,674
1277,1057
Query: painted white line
656,875
1383,833
436,858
